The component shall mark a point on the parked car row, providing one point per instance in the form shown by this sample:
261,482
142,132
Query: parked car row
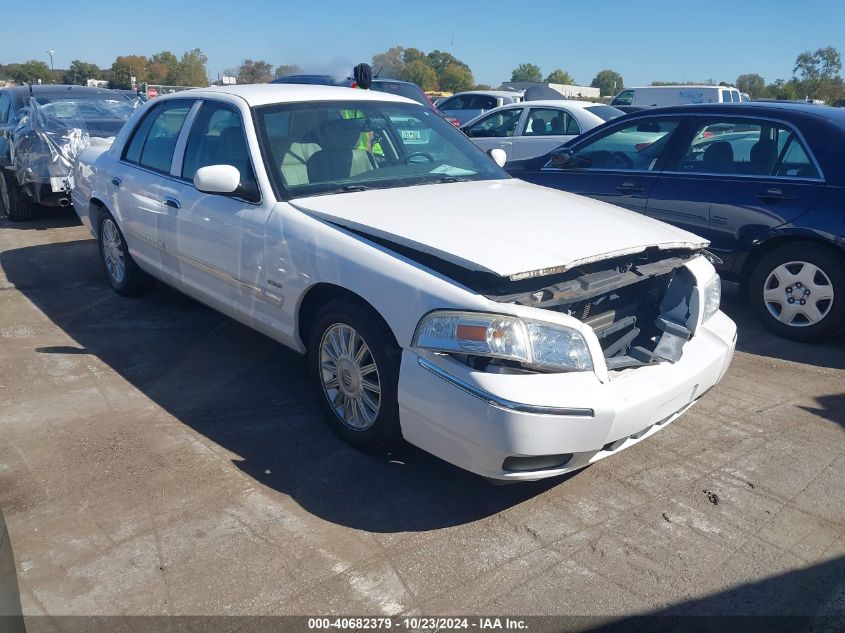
519,328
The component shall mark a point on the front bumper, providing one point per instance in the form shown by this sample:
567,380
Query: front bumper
476,420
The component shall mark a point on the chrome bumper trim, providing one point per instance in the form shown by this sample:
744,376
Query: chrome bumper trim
503,403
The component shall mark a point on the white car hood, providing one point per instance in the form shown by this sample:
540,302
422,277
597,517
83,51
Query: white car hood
509,227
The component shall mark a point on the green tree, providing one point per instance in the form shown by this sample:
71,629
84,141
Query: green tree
287,69
127,66
79,72
413,55
527,72
456,78
560,76
817,72
389,63
421,74
30,72
752,84
191,70
255,72
440,61
609,82
169,62
780,89
157,73
481,87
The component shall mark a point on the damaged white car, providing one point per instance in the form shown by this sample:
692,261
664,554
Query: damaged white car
512,330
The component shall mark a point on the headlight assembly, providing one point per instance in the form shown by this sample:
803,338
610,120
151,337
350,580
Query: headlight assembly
712,297
535,344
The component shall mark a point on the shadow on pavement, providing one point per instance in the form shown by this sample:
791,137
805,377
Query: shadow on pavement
804,600
755,339
44,218
247,394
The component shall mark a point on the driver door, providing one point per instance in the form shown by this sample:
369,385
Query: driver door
619,165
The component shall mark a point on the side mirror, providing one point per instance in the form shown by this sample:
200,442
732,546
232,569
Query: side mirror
562,158
499,156
217,179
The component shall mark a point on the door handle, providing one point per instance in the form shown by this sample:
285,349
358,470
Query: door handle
774,193
117,182
629,187
173,203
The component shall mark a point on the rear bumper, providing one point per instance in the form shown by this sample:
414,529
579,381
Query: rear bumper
477,420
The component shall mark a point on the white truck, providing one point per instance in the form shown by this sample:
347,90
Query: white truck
657,96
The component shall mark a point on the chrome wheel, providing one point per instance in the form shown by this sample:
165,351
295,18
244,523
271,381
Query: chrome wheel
349,377
113,255
798,294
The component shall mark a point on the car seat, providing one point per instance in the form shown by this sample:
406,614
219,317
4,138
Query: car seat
340,156
303,145
557,126
763,155
538,126
718,158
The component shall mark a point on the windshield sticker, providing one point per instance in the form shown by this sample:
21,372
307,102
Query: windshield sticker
451,171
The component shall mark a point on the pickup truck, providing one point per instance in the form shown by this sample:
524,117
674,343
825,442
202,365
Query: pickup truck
513,330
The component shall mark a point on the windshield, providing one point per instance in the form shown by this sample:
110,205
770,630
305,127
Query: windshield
606,113
334,147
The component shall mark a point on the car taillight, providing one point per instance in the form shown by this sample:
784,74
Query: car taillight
641,146
453,121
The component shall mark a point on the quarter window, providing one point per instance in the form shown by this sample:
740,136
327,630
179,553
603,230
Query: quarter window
5,101
550,122
155,138
497,124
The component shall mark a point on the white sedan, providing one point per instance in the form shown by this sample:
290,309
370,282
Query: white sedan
513,330
533,128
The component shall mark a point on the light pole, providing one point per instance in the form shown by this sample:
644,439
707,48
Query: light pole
51,53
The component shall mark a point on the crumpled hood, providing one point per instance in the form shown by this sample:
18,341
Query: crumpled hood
509,228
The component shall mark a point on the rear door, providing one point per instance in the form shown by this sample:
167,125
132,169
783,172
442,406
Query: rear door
496,130
137,191
733,179
618,165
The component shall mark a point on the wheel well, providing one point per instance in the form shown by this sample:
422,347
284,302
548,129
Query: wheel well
95,206
315,298
767,247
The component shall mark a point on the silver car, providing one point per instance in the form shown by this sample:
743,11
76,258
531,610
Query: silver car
467,105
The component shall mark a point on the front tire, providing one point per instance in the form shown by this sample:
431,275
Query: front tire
13,198
354,362
798,291
124,275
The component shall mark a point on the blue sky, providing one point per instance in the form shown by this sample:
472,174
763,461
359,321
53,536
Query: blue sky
658,40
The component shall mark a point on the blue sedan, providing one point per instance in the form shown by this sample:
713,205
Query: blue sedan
764,182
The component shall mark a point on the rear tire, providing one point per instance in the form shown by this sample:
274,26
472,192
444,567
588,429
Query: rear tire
806,272
354,363
13,198
123,274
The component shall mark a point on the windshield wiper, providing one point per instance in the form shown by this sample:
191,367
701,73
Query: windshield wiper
355,188
449,179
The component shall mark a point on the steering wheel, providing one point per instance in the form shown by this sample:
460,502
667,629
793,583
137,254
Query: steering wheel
407,158
619,160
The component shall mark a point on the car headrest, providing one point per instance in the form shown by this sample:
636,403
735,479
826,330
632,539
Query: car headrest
341,134
718,154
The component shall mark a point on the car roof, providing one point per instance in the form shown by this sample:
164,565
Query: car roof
264,94
782,109
56,90
680,86
491,93
550,103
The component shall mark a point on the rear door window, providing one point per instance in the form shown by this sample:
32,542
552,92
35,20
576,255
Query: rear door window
5,102
155,138
550,122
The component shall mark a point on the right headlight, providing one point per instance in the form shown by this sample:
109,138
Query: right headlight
535,344
712,297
